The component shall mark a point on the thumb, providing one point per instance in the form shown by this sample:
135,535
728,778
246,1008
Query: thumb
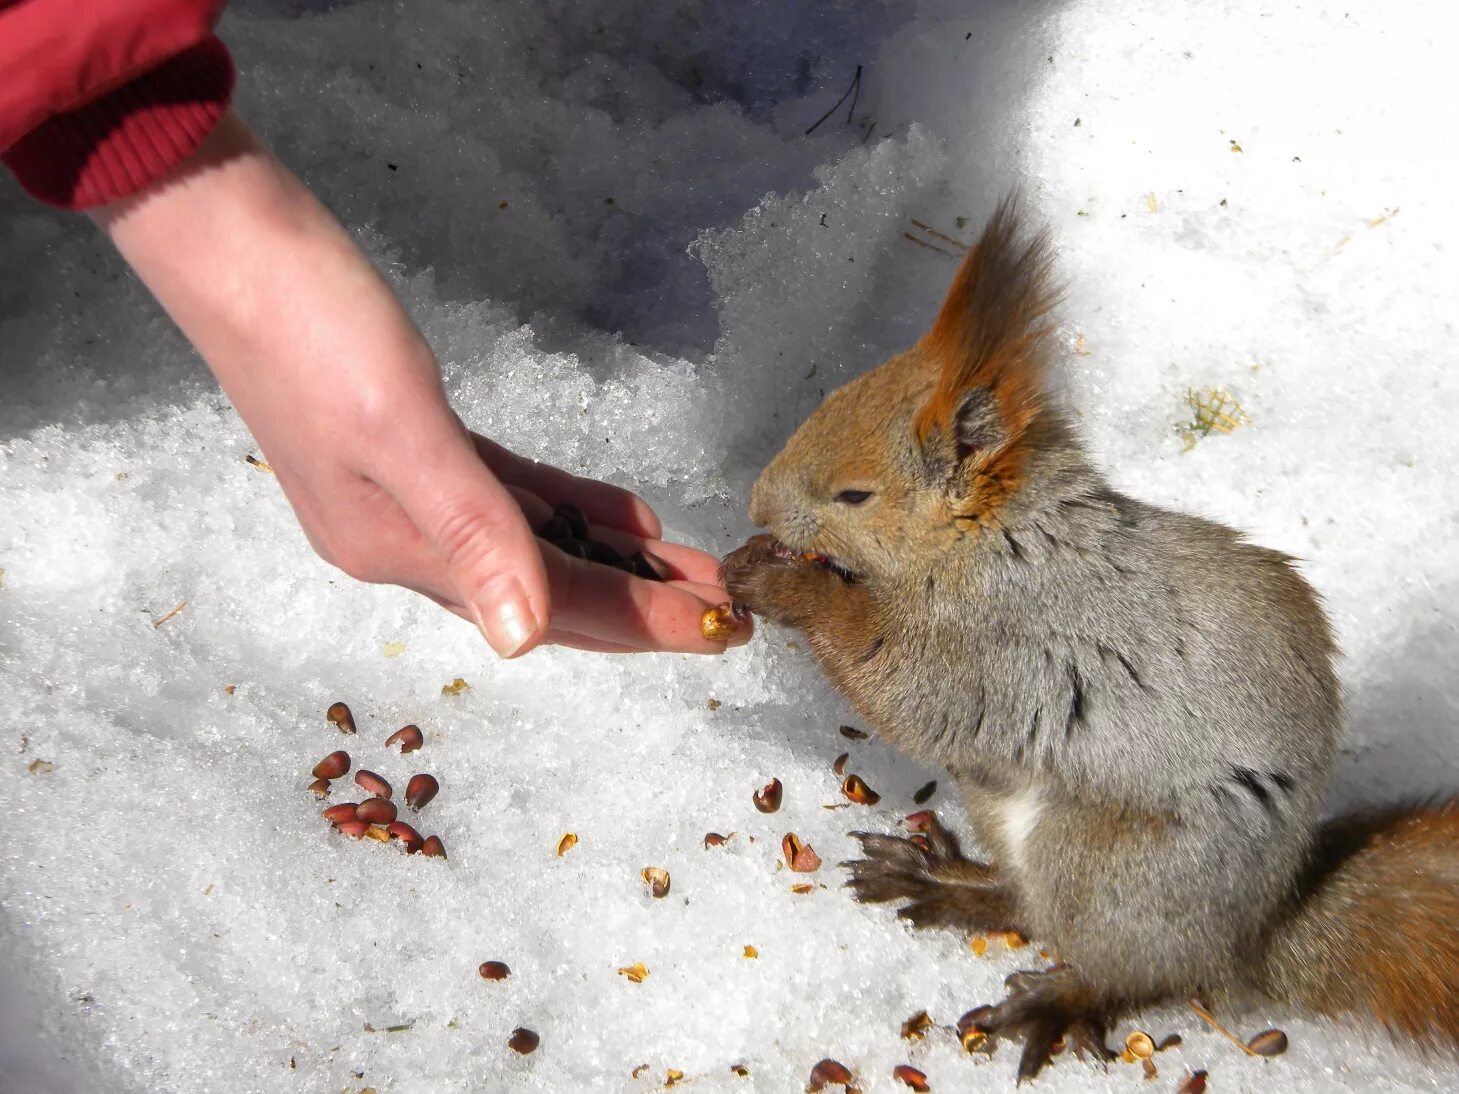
493,560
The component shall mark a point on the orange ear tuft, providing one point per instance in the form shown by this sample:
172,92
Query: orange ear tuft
990,330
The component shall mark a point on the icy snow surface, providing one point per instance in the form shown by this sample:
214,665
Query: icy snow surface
632,262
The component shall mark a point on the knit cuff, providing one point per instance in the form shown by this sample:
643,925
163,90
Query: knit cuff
130,137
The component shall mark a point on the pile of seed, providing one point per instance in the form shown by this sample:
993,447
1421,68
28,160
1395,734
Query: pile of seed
375,817
568,531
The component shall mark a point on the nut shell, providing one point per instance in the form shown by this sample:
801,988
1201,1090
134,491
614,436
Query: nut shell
906,1073
493,970
800,857
718,624
920,822
828,1071
657,880
855,788
433,847
916,1027
1140,1045
768,799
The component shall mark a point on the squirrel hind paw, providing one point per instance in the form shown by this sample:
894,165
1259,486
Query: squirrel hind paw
1048,1012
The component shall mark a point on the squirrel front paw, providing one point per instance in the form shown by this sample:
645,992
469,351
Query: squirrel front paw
764,578
944,888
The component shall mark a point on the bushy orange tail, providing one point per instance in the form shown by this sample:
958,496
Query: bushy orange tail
1377,937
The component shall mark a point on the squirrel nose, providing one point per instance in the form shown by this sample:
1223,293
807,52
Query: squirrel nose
764,507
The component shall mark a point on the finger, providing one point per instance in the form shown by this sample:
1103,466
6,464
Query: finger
476,525
591,645
600,502
610,606
554,637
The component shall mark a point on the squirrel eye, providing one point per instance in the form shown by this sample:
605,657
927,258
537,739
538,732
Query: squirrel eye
853,497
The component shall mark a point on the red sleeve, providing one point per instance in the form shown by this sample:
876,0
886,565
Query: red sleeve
100,98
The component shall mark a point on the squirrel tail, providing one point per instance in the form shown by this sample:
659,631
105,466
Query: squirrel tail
1376,936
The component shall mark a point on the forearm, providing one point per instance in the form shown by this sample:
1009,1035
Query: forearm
268,287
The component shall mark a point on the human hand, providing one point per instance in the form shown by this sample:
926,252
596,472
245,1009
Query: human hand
344,396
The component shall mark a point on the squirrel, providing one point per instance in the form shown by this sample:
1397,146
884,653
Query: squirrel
1139,706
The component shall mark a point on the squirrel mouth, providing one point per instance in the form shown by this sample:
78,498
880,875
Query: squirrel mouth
824,561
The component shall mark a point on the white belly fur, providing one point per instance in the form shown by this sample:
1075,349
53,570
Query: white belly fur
1019,815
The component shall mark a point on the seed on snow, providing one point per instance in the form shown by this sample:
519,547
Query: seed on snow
408,737
338,814
523,1041
420,790
376,811
372,784
408,837
332,766
1269,1042
339,715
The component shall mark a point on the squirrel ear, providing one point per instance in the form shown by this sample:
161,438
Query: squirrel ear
977,423
989,334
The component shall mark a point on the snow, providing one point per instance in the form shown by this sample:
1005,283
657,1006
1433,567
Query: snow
174,915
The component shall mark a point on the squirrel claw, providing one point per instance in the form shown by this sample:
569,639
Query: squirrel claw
944,888
1048,1011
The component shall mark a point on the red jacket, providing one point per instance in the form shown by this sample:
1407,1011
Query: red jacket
99,98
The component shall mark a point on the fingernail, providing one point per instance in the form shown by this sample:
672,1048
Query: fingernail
505,620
